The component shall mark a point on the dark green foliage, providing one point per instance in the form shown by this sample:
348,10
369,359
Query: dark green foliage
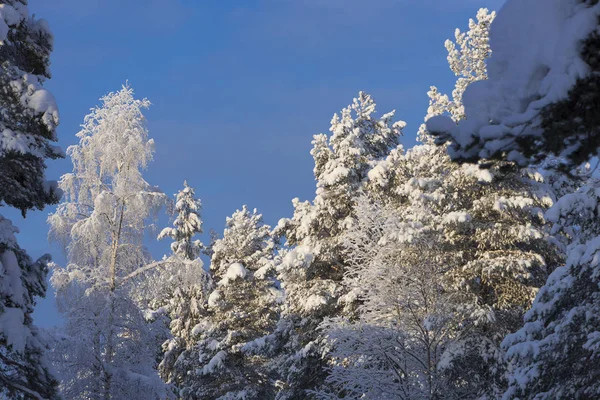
25,58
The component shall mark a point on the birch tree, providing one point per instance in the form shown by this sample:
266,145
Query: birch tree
103,353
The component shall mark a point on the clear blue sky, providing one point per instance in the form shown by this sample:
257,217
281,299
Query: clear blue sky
239,87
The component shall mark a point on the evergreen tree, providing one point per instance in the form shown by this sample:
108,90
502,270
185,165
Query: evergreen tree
228,360
28,121
180,289
479,237
104,352
554,355
186,225
312,270
29,112
24,370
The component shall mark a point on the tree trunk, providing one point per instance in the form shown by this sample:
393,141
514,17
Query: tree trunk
112,271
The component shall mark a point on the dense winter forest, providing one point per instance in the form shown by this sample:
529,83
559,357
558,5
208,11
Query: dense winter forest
465,267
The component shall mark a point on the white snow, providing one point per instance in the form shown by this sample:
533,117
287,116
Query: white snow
234,272
535,61
314,301
441,123
457,217
482,175
214,299
299,257
8,17
215,363
13,328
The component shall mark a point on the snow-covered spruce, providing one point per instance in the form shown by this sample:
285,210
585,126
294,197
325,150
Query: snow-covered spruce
186,225
555,354
228,359
103,351
28,124
179,290
24,370
30,115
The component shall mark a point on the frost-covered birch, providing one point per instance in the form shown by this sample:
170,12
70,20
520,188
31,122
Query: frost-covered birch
103,352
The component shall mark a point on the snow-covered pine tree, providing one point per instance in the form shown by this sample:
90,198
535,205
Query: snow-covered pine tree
103,352
228,359
27,129
312,270
482,244
484,226
555,354
180,289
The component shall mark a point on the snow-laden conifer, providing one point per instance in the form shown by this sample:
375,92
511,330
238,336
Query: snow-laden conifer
228,359
179,290
482,234
537,103
186,225
312,268
28,121
29,111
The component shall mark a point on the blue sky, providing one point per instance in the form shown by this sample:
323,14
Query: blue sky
239,88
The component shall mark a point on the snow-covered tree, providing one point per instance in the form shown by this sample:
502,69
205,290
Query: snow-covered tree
29,112
393,347
24,370
539,102
28,121
104,351
228,361
467,60
180,289
186,225
483,233
312,270
482,244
